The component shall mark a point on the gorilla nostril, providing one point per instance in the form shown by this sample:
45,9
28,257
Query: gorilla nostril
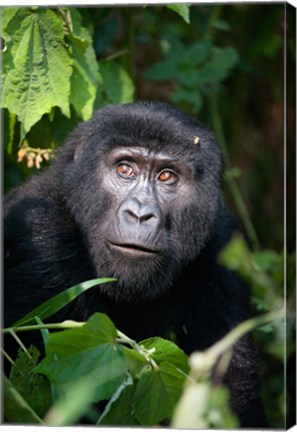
135,217
131,215
146,217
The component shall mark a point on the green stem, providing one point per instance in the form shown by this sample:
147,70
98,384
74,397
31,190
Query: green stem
122,338
55,326
203,362
234,189
242,329
144,352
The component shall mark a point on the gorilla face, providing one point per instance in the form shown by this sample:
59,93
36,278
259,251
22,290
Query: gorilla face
145,207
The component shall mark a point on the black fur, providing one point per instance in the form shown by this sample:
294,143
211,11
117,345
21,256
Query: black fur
56,223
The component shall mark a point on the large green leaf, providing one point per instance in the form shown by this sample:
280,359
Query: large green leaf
88,351
85,77
157,394
193,67
117,86
196,53
37,65
166,351
218,68
119,410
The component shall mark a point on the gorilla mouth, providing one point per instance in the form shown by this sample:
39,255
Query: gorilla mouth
133,249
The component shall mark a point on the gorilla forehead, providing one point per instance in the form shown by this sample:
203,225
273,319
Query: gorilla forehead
158,126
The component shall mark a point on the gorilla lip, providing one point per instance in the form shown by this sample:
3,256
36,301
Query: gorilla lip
133,249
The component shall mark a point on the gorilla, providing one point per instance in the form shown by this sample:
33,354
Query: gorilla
134,194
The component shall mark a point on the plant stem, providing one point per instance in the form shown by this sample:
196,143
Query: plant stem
234,189
202,362
54,326
144,352
242,329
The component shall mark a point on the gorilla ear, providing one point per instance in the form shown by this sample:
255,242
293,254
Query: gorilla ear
75,144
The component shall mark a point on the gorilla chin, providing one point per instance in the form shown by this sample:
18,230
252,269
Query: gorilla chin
142,275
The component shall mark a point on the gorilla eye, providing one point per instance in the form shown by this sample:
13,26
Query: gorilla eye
168,177
125,170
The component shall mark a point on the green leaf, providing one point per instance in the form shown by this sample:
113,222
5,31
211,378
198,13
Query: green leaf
117,86
157,394
218,68
181,9
37,63
182,94
56,303
196,53
162,71
35,388
7,15
85,77
166,351
77,397
266,260
237,257
88,351
119,408
44,332
122,410
136,361
16,408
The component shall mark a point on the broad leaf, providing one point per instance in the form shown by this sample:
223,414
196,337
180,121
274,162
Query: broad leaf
218,68
196,53
166,351
85,77
88,351
117,86
122,412
157,394
136,361
119,409
37,64
181,9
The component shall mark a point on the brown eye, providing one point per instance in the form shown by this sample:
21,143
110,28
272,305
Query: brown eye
167,176
125,170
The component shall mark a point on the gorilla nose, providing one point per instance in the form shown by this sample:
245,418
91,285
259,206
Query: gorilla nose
134,211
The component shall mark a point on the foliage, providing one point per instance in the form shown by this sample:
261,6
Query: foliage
91,362
143,383
196,68
61,64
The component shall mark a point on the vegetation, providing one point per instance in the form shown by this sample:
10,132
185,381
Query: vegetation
59,65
